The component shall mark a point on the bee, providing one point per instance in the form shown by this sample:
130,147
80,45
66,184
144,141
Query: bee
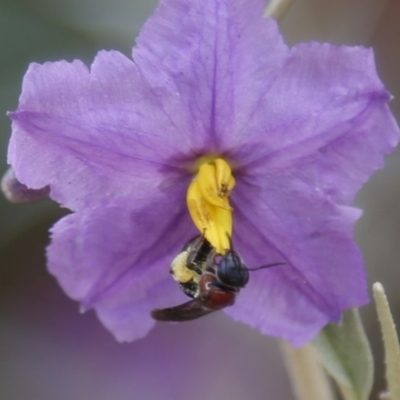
190,264
219,279
212,296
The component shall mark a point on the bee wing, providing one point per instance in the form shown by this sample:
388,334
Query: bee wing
184,312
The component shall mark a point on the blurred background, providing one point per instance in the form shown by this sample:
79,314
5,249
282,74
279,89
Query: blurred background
48,350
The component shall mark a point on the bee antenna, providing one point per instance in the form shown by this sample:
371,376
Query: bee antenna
267,266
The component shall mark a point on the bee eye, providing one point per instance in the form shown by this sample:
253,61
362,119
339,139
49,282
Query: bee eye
231,271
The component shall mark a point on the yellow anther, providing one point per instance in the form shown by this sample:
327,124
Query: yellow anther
208,202
201,212
216,182
214,221
225,180
209,187
223,222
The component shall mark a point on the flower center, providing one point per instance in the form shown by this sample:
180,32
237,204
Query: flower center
208,202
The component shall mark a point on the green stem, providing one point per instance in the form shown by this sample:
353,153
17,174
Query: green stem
308,378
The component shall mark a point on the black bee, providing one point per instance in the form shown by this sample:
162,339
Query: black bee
211,297
218,280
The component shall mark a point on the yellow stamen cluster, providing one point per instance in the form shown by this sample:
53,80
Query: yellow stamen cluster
208,202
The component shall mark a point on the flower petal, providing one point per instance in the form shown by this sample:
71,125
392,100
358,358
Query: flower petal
110,257
324,273
100,134
325,118
218,55
129,318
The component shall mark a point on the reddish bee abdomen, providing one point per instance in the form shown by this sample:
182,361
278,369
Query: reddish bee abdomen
213,296
220,299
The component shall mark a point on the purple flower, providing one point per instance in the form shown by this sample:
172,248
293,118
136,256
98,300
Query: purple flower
302,129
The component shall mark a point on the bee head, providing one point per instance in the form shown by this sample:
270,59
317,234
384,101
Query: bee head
231,270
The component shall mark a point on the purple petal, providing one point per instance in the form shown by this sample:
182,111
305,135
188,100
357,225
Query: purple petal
323,274
324,119
128,318
111,259
218,55
100,135
303,127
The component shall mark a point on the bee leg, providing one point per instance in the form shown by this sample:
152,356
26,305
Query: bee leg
194,252
210,260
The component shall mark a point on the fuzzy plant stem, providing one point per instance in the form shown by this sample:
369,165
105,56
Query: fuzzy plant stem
391,341
277,8
307,376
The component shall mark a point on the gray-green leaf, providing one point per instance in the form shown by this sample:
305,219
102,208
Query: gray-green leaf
345,352
390,340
